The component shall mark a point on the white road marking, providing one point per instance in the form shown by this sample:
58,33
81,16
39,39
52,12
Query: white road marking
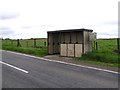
89,67
14,67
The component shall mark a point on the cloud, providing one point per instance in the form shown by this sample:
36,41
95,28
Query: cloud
37,18
4,16
26,27
108,34
4,31
110,23
4,28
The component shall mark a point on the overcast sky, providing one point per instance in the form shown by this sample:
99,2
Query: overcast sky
33,18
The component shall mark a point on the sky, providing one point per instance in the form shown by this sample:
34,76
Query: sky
33,18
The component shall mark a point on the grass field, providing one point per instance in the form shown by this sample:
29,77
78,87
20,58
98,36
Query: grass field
106,53
25,42
26,46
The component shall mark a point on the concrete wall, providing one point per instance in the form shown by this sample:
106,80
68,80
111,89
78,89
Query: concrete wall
63,50
87,42
78,50
71,50
67,37
90,43
79,37
71,44
62,39
73,37
50,43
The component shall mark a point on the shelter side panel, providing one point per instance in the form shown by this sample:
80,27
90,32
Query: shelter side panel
87,42
50,41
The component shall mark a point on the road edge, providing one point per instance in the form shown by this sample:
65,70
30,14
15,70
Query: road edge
78,65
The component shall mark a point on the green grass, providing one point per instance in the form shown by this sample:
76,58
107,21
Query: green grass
105,54
0,44
30,43
25,42
31,51
100,63
27,46
107,45
102,57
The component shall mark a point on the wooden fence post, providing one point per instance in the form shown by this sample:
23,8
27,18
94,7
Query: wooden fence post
34,43
18,43
96,46
44,43
27,43
118,45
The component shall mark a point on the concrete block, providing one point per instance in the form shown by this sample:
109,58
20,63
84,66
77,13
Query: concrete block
71,50
78,50
63,49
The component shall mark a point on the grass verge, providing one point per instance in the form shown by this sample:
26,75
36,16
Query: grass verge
32,51
107,59
105,55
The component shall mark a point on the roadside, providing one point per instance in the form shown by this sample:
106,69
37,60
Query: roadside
42,53
80,62
72,61
105,56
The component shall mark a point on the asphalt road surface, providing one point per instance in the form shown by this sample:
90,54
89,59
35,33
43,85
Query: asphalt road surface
19,71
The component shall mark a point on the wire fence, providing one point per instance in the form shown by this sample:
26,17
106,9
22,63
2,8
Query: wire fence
106,45
35,43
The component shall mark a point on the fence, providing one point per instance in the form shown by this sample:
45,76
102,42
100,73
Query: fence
106,45
100,45
35,43
118,45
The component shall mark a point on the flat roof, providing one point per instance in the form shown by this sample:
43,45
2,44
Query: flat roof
70,30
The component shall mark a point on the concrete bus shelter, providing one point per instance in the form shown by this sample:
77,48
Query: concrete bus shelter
71,43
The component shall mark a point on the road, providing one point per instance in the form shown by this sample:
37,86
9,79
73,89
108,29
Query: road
20,71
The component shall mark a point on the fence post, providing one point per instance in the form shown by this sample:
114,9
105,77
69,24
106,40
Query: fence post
44,43
18,43
118,45
96,46
34,43
27,43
